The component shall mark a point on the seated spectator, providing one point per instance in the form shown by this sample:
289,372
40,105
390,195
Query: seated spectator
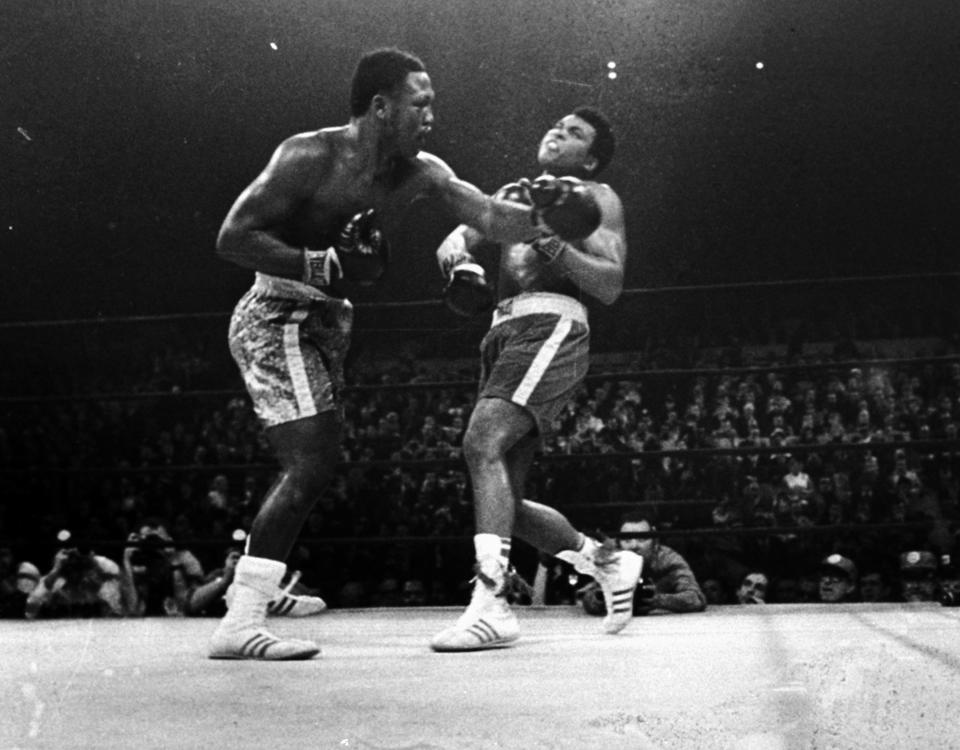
838,579
715,591
668,582
16,583
948,579
785,590
80,584
209,598
875,585
753,588
918,576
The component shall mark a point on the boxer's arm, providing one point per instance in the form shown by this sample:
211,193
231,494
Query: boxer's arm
249,236
596,263
458,247
500,221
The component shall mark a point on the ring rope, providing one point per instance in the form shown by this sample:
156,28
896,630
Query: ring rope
739,531
634,292
940,446
472,384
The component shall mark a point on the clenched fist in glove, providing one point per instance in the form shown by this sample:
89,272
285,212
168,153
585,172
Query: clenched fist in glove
362,249
564,205
467,292
361,255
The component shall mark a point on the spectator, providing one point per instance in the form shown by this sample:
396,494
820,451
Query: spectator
948,579
875,585
158,577
753,588
918,576
715,591
785,589
16,584
668,581
208,599
838,579
80,584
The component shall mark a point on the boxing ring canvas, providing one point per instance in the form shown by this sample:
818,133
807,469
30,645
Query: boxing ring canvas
776,676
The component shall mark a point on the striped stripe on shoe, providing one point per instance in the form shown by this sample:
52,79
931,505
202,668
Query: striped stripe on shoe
478,636
619,579
260,645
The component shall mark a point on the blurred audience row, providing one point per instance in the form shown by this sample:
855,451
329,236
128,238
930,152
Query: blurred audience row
822,448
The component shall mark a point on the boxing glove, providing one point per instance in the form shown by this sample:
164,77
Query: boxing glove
564,205
362,250
467,292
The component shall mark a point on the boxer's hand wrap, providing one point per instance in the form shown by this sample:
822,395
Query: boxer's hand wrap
362,249
467,292
563,206
321,268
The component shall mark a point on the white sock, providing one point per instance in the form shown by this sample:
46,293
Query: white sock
493,555
255,582
581,558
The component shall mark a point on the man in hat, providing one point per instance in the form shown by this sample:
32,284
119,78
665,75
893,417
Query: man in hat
918,576
838,579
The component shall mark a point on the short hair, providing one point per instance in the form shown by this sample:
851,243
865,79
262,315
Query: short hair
380,71
604,142
637,516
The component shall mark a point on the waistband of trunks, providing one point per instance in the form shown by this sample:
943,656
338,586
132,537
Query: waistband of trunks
277,286
539,303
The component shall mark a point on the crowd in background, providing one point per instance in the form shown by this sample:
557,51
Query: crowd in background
822,454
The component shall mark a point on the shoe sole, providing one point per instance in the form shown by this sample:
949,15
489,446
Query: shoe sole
258,648
300,656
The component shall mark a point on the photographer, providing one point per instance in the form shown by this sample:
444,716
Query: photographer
80,584
209,597
157,578
668,583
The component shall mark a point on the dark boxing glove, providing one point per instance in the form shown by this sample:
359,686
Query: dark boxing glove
565,206
362,250
467,292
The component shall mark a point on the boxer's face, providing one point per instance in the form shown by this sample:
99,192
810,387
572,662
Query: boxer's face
565,147
408,114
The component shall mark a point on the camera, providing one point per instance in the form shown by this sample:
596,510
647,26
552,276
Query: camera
150,549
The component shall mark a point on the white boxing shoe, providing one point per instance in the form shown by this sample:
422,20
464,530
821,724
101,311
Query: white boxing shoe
241,633
257,643
618,573
286,604
488,621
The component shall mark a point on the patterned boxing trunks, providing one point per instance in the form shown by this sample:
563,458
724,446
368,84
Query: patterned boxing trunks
536,353
290,342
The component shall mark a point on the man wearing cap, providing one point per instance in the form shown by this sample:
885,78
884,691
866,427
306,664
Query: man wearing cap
838,579
918,576
16,583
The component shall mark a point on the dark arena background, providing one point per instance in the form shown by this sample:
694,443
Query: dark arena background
790,174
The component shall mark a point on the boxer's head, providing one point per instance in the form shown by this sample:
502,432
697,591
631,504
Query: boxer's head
579,144
383,72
